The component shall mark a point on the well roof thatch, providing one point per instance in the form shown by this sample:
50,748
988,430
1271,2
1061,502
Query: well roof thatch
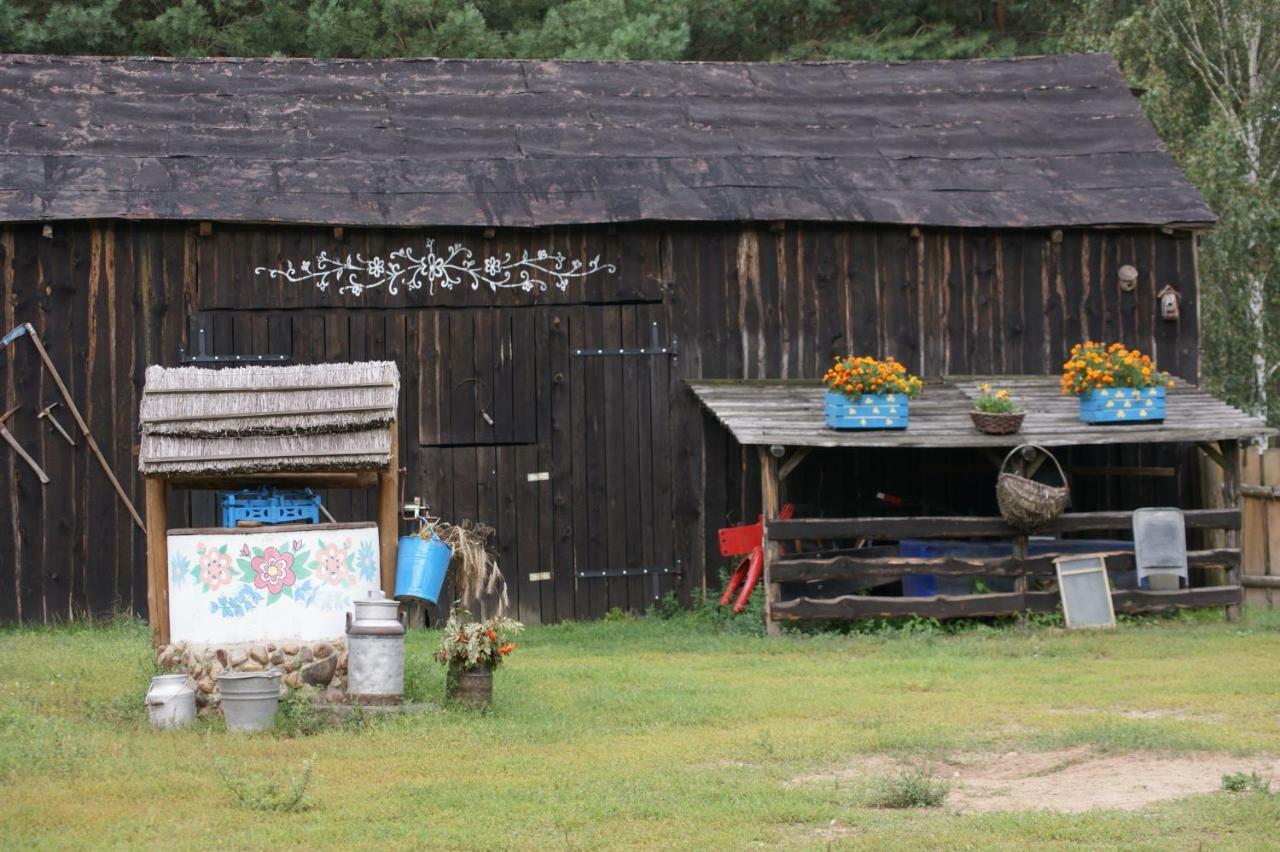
268,419
1049,141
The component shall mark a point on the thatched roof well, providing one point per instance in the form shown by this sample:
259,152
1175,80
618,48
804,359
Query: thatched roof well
268,419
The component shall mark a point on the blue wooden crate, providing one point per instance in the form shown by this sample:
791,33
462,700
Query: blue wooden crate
867,411
1123,405
270,506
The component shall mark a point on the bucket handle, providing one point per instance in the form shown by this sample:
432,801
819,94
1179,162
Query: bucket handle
150,703
1051,456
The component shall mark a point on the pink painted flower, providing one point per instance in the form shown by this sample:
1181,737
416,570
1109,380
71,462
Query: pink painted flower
333,564
215,569
274,570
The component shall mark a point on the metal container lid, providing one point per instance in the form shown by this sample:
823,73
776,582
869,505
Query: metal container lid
166,687
375,615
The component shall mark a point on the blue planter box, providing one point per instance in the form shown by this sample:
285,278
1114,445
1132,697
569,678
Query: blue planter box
867,411
1123,405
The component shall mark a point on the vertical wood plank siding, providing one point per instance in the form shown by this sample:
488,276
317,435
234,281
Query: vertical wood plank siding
745,300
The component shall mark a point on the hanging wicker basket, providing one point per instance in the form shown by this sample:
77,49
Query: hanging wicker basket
1026,504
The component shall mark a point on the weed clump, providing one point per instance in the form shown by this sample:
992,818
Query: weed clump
267,792
912,788
1239,782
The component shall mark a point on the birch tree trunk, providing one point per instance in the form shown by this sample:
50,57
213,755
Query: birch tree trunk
1232,47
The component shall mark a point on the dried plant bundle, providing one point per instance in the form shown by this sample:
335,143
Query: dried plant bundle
476,563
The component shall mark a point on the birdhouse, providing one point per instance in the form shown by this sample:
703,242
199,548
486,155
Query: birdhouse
1169,299
1128,277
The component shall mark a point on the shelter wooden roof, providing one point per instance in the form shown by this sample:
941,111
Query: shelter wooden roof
1030,142
790,413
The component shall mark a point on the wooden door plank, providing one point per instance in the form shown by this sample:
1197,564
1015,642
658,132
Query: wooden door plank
614,435
579,389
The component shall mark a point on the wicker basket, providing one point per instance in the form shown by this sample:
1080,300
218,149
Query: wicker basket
1028,505
997,424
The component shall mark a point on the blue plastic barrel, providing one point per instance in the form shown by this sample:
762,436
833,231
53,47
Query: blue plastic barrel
420,567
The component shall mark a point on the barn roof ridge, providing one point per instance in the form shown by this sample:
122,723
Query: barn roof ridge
1039,141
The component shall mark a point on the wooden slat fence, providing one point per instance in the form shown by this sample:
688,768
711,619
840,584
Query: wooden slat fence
1260,545
875,569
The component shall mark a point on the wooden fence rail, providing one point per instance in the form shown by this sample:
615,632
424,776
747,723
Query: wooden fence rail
809,529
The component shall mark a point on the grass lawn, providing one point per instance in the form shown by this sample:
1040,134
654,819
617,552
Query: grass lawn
653,733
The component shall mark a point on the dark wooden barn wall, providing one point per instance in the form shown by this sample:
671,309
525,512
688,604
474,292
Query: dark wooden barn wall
736,300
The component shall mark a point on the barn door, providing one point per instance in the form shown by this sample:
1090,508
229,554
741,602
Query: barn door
616,383
575,472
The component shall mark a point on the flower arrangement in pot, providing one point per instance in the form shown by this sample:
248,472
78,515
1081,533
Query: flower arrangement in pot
868,393
472,650
1115,384
994,411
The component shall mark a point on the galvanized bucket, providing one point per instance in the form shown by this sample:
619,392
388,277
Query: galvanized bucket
171,701
249,699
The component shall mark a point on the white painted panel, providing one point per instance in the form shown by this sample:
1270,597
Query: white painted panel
228,586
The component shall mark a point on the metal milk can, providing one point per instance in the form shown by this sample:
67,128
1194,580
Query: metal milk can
375,651
171,701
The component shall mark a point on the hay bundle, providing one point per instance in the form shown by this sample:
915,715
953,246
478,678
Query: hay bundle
261,400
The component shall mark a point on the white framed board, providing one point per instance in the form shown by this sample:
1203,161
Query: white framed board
268,583
1085,591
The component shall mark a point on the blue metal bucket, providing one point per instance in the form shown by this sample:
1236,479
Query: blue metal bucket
421,566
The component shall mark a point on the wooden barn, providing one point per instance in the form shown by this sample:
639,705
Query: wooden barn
552,252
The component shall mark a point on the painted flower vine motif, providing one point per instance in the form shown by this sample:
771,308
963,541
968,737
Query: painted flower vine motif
455,266
274,569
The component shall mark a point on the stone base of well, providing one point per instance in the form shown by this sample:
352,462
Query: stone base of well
322,665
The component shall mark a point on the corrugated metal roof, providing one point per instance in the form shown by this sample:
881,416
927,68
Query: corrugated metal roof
1031,142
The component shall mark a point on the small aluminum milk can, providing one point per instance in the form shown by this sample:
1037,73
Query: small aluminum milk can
375,651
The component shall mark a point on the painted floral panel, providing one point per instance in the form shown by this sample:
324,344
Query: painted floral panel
241,586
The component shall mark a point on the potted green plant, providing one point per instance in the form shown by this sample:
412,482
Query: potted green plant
1115,384
471,650
868,393
994,411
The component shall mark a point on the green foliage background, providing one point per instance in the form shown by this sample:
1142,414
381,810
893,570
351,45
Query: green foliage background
1136,31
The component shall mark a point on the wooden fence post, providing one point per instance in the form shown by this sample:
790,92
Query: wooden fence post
770,505
1231,498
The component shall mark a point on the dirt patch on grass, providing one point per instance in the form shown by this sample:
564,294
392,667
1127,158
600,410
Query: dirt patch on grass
1178,715
1067,780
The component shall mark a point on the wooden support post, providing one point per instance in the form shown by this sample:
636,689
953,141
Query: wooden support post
389,513
1020,582
770,505
158,559
1230,451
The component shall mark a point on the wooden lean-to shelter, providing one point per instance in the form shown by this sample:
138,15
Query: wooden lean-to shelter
552,252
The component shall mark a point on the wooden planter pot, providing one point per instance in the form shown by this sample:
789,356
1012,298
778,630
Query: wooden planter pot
471,688
867,411
1123,405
